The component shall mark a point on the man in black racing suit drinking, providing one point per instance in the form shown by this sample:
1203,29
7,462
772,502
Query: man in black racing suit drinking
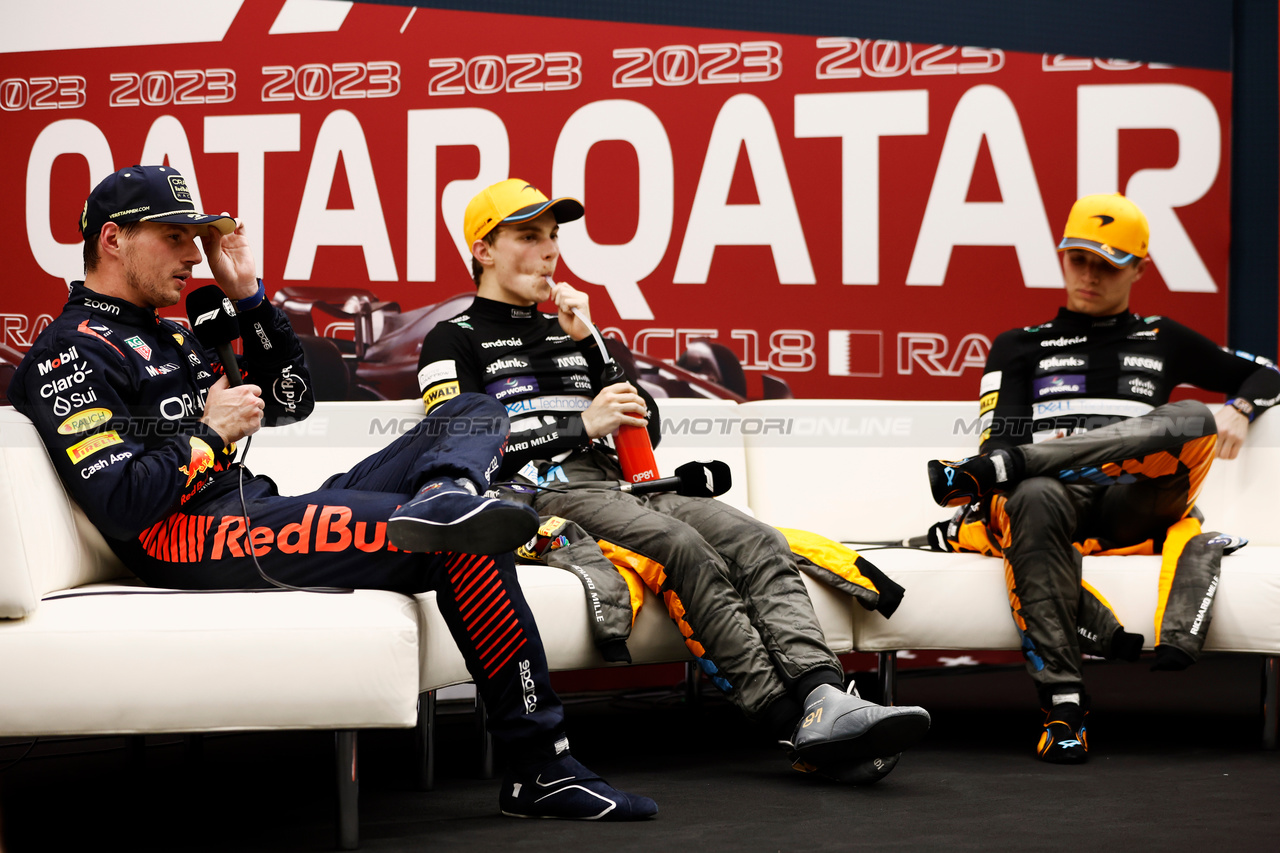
729,582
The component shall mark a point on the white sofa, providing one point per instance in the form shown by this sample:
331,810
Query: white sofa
84,652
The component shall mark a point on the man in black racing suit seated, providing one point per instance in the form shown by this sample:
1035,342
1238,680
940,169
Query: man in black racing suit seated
1083,453
729,582
142,425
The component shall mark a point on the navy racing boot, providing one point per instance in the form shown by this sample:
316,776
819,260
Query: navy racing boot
565,790
448,515
844,737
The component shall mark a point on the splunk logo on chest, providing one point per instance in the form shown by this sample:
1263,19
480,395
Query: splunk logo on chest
513,363
1056,363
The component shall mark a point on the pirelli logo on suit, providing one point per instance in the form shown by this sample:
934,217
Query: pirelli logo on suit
81,450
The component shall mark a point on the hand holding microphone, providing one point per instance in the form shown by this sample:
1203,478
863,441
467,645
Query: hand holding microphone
233,412
232,409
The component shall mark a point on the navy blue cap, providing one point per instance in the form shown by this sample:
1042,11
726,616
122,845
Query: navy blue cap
145,194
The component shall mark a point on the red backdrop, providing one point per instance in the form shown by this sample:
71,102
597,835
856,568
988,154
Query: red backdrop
858,217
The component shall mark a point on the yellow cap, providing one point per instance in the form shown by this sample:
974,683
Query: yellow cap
513,200
1109,225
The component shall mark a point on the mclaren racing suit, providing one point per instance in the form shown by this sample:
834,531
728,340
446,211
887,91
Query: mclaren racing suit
117,393
1120,477
729,582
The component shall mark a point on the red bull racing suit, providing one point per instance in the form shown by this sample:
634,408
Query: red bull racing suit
728,581
1120,476
117,393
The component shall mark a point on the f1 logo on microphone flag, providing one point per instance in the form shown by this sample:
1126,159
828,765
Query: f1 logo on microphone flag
855,353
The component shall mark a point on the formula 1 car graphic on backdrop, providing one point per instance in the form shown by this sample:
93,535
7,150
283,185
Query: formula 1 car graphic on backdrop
360,348
9,358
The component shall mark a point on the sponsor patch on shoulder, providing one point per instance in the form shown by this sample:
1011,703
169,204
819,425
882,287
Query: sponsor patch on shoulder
441,393
84,421
437,371
91,445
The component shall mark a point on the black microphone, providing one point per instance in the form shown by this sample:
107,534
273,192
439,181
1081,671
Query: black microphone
213,322
692,480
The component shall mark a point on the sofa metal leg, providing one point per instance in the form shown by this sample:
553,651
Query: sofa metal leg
486,740
348,779
1270,700
424,741
887,675
692,684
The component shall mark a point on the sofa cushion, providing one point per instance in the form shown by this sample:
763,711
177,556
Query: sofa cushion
111,664
1240,495
851,470
959,601
48,543
854,470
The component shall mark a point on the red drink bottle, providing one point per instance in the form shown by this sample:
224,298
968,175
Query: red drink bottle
635,451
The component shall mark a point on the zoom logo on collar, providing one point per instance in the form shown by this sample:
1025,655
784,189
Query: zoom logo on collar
104,307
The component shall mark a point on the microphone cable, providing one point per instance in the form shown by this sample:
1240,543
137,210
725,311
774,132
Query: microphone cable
274,585
248,526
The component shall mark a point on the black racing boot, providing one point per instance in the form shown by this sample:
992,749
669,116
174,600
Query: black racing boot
968,480
1064,740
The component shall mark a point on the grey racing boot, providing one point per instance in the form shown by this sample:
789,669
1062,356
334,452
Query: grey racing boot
846,738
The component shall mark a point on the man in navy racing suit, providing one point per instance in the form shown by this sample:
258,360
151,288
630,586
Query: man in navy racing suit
730,582
1083,454
142,423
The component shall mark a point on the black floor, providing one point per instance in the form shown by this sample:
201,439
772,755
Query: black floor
1175,766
